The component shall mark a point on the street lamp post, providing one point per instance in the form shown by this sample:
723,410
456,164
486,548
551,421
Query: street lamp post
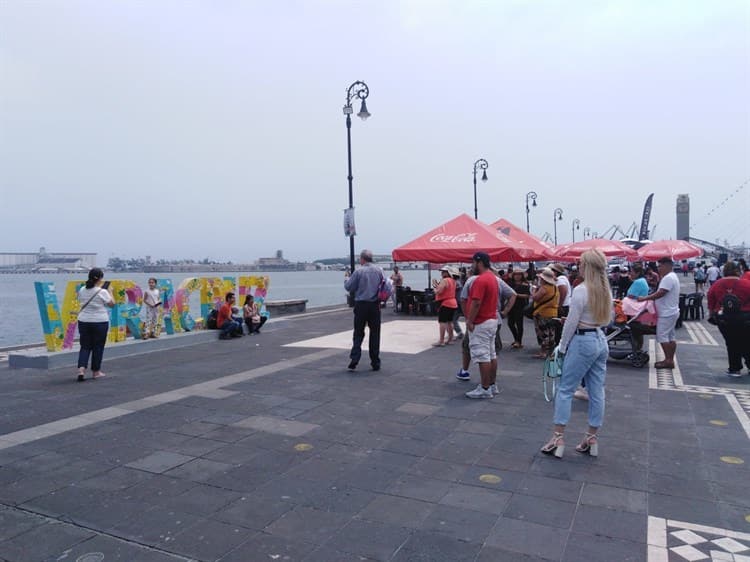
557,216
530,196
480,164
357,90
576,226
586,232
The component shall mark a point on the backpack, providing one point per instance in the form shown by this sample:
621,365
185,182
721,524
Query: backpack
384,290
213,316
700,275
730,306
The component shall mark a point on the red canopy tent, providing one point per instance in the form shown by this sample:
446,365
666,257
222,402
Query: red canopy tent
456,241
610,248
527,247
675,249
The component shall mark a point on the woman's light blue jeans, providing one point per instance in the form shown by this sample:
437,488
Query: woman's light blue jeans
586,359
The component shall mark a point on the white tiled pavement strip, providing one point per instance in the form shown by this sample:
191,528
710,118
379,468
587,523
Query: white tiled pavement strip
694,542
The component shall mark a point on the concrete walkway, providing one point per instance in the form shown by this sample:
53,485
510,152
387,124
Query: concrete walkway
267,448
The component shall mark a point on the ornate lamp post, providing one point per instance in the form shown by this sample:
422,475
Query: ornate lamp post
480,164
530,196
557,216
357,90
586,232
576,226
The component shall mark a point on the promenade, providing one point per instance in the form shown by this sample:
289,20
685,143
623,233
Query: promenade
266,448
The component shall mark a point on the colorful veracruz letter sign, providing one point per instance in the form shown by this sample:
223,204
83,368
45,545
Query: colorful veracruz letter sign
60,328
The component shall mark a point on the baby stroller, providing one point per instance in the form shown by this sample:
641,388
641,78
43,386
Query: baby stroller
621,339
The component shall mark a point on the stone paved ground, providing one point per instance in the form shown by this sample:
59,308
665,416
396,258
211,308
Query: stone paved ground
254,450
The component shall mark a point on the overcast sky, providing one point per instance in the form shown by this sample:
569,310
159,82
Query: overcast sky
214,128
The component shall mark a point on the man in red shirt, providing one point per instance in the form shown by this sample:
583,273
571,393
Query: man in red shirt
225,322
481,324
735,327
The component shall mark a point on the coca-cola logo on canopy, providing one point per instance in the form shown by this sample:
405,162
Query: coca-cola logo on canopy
455,238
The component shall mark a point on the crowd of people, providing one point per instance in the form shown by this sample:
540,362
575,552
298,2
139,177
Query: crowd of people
570,309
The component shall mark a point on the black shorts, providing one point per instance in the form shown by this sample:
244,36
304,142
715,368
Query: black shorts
445,314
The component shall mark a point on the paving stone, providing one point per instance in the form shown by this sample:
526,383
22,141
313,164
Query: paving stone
199,470
116,479
545,511
208,540
154,526
43,541
614,498
529,538
253,512
344,500
694,511
196,447
419,488
263,546
478,499
378,541
553,488
403,512
441,470
433,547
461,524
418,409
14,522
160,461
278,426
202,500
587,547
308,525
672,485
492,554
509,481
113,549
610,523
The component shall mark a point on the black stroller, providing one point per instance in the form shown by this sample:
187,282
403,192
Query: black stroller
623,342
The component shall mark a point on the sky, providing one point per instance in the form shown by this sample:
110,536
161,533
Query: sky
214,129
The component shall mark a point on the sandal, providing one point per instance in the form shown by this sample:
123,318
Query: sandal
589,445
555,446
438,344
663,365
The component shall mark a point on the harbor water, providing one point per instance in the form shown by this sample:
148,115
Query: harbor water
19,315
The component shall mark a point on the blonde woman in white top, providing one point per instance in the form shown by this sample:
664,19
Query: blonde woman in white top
585,350
93,323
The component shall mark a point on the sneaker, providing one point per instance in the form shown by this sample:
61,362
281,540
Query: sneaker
494,389
463,375
581,394
479,392
352,365
734,374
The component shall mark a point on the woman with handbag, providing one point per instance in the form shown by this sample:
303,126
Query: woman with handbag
253,318
585,354
93,323
445,296
544,311
735,325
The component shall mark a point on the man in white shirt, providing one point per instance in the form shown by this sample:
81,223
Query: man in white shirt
667,302
712,274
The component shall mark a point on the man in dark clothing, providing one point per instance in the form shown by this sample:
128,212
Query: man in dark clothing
364,284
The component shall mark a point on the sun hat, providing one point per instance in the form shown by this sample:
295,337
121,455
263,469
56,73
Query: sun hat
558,267
548,275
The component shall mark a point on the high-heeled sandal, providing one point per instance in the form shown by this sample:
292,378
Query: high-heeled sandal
554,446
589,445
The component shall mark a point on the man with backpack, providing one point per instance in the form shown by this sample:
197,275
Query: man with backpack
667,302
369,287
729,307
